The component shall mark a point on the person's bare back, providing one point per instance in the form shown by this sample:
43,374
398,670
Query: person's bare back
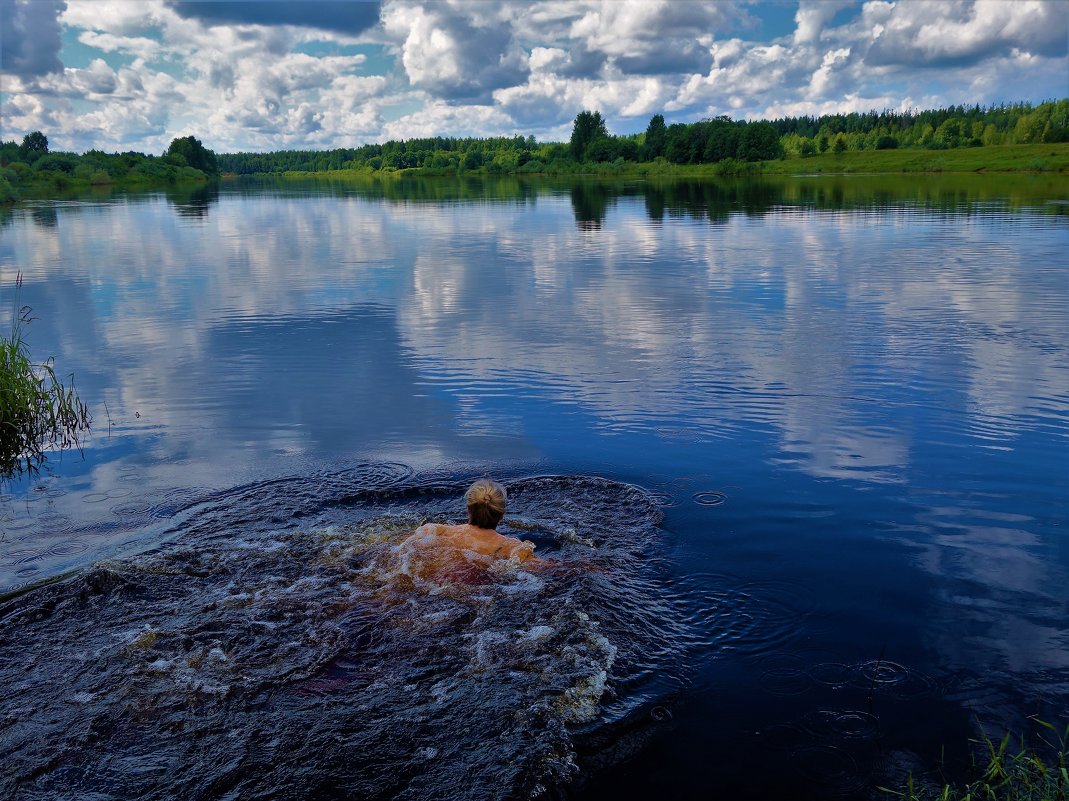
466,551
435,549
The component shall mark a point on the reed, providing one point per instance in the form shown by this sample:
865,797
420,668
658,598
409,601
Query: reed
38,412
1004,773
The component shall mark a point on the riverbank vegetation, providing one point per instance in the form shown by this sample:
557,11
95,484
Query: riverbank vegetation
38,412
32,166
957,138
1017,137
1004,772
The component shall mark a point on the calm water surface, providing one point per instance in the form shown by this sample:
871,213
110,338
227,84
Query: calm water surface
848,398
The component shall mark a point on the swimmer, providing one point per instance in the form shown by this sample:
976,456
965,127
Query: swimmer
468,549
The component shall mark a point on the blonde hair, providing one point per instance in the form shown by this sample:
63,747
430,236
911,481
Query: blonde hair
486,503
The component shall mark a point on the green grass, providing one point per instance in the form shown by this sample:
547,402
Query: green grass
37,411
1043,158
1023,773
995,158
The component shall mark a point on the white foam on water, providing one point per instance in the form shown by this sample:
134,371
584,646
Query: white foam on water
538,633
351,647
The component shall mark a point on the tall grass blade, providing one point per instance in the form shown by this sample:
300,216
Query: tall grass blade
38,412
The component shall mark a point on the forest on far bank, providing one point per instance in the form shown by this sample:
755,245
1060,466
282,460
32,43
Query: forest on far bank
703,142
736,145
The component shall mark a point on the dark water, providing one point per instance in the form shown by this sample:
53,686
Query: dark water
814,445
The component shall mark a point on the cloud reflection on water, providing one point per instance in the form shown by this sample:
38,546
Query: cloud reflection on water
808,326
804,326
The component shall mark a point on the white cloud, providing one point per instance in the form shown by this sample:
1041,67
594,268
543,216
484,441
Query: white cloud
548,99
813,16
138,46
439,116
948,33
455,50
30,37
96,79
488,67
824,77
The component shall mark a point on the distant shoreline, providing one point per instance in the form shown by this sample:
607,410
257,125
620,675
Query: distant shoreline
1031,159
1012,159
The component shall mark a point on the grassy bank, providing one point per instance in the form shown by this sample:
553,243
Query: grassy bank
996,158
1027,163
1041,158
1004,771
37,411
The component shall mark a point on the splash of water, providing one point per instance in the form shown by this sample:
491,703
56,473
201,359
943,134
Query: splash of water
277,645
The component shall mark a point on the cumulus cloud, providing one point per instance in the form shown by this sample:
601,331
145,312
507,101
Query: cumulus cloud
138,46
963,34
741,76
30,37
122,19
271,75
438,116
813,16
455,51
552,99
840,58
96,79
646,37
341,16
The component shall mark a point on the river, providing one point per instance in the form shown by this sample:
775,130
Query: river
802,446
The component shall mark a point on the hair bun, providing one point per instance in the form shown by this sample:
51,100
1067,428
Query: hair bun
488,495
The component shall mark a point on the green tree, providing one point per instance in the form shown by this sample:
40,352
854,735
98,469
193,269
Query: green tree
949,132
723,140
195,154
473,159
34,145
840,144
589,126
9,152
656,138
602,149
759,142
677,148
627,148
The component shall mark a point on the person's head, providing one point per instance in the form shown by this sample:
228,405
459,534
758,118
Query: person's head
486,503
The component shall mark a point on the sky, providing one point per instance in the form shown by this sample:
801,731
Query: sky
316,74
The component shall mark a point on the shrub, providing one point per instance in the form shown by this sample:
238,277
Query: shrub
57,179
736,167
58,162
21,171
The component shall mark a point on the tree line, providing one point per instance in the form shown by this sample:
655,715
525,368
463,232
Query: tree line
31,162
709,141
733,144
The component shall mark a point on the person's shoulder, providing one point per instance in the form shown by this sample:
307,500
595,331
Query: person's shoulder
519,548
434,530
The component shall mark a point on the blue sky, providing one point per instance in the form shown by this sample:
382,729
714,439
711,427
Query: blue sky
270,74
